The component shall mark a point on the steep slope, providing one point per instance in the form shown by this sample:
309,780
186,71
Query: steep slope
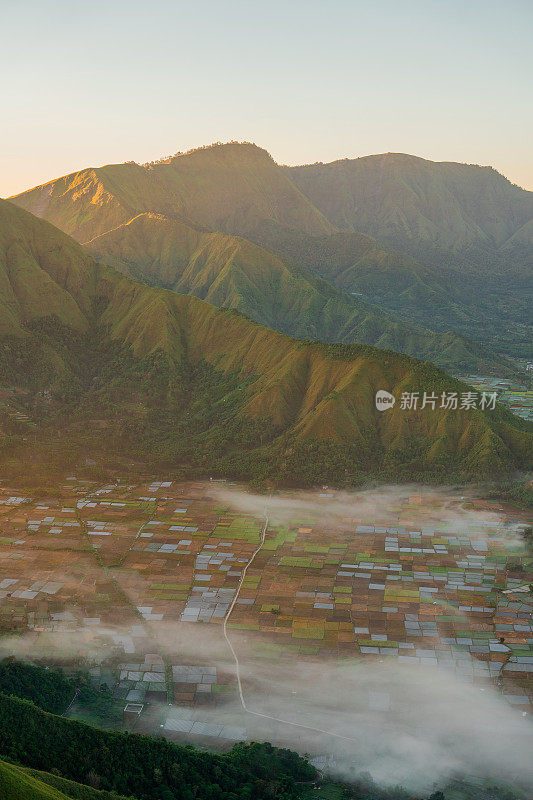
468,228
482,307
420,206
17,783
42,272
173,379
14,783
232,272
235,188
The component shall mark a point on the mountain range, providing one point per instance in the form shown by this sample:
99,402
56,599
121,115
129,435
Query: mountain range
233,272
93,362
446,279
468,227
422,207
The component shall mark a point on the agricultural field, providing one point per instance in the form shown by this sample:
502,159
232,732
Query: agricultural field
158,589
517,397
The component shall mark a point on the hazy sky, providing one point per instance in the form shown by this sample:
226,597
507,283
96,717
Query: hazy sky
89,83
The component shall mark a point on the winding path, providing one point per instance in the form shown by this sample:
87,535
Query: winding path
236,659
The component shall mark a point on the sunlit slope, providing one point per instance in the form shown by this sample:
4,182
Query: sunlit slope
409,203
15,784
21,783
320,392
232,272
42,272
467,229
133,346
421,206
235,188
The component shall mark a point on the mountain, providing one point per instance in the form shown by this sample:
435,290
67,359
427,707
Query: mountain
454,250
173,224
468,230
422,207
173,380
234,188
232,272
428,209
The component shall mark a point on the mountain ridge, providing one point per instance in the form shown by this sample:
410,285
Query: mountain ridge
444,270
232,272
458,215
179,381
165,188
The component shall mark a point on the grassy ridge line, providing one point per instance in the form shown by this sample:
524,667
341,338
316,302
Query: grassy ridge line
139,346
75,791
216,187
15,784
316,390
18,783
232,272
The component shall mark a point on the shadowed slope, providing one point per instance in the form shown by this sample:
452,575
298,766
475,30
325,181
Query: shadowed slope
179,380
481,305
420,206
468,227
232,272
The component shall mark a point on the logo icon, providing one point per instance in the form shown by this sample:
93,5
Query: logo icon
384,400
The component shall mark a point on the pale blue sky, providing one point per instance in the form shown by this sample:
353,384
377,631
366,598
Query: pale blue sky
89,83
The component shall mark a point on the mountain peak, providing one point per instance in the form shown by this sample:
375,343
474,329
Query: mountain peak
216,150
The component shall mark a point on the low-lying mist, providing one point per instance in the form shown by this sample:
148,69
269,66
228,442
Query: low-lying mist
438,508
409,725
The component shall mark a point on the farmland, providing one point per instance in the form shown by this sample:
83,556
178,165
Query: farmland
138,583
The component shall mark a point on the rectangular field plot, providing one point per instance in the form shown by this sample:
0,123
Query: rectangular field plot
421,579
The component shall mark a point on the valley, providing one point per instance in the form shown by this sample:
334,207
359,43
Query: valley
266,403
185,530
370,595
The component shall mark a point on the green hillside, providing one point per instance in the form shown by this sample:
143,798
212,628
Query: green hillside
232,272
42,272
467,229
145,767
421,206
14,783
174,380
234,188
17,783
